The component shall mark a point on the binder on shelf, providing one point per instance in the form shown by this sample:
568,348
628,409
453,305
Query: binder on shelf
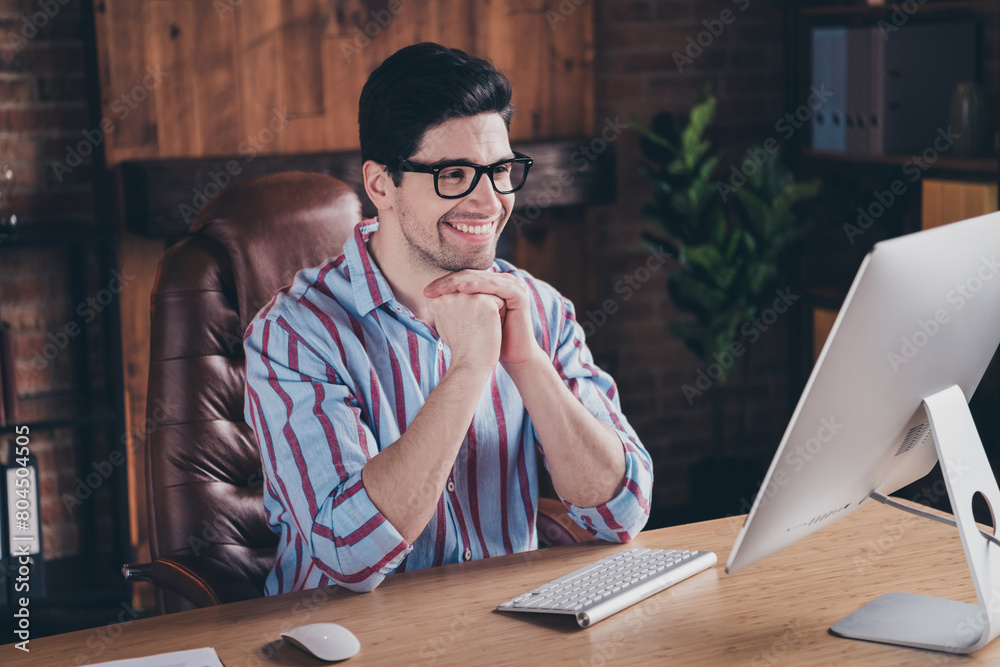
897,85
915,70
859,87
877,103
829,59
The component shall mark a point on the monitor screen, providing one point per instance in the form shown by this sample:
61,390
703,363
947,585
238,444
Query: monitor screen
922,315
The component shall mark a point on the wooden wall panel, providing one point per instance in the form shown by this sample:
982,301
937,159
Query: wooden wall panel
260,46
171,33
523,50
345,68
495,39
571,62
302,71
120,28
343,84
301,76
534,46
236,72
216,79
428,24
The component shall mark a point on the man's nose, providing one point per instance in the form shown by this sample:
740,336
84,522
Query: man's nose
483,196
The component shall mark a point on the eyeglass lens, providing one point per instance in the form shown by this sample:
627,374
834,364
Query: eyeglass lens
458,180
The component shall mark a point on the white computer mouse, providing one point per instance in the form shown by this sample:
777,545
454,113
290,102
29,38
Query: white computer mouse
326,641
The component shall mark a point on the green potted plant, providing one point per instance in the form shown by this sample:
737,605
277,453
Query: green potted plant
728,229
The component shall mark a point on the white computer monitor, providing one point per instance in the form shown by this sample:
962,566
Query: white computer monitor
919,326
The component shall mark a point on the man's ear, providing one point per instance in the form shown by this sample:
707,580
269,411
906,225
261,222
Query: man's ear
378,184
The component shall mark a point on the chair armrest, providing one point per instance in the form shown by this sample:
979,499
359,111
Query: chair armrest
555,527
202,581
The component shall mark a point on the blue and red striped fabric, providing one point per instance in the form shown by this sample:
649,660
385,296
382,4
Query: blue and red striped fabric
336,368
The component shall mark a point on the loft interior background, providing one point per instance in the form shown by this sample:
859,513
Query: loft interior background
90,85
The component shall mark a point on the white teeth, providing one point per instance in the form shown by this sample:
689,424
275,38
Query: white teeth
482,229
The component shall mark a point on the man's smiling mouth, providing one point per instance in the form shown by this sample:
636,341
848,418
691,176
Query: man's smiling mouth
473,229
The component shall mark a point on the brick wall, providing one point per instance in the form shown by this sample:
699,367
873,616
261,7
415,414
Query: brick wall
57,352
638,75
42,112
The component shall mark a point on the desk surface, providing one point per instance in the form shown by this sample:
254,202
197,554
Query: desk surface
776,612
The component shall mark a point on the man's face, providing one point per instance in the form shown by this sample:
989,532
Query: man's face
455,234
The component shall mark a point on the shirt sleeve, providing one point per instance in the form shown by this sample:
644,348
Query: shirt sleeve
621,518
314,443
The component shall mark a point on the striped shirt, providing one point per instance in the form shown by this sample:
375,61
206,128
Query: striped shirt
336,368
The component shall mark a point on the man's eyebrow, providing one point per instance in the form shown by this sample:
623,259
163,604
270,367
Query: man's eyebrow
461,160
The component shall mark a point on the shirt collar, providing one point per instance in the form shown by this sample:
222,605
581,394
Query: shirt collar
369,286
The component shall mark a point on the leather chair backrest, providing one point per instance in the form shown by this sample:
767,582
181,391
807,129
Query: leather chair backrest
203,471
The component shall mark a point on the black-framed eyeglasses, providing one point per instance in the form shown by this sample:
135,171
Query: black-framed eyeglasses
453,180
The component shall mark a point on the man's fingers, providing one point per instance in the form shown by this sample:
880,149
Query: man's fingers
449,283
441,285
479,282
500,303
469,281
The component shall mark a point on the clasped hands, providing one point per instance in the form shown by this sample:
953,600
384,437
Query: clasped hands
485,318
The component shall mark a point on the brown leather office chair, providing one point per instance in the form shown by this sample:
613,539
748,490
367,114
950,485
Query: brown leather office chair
208,536
209,539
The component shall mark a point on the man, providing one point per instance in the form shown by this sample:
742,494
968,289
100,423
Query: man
400,392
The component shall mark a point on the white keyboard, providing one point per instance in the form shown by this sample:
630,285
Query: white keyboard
611,584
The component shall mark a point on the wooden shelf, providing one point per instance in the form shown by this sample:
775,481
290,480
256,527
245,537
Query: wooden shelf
831,258
875,10
988,166
93,419
61,234
158,201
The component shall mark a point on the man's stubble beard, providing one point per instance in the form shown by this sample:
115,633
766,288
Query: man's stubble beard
441,258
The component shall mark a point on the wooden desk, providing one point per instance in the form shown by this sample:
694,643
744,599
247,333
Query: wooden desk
776,612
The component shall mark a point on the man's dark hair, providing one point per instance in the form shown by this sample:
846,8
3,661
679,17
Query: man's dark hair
418,88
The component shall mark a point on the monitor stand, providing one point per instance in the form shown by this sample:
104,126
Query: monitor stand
931,623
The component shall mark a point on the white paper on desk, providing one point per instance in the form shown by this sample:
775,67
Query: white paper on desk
199,657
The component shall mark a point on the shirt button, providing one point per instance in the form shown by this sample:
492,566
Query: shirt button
468,554
451,486
440,345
